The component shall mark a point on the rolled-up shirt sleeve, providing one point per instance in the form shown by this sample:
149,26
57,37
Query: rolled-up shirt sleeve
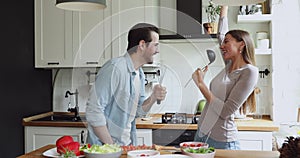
100,96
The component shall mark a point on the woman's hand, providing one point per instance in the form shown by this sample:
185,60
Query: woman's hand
198,75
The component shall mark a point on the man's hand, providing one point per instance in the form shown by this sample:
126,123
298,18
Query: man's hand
159,92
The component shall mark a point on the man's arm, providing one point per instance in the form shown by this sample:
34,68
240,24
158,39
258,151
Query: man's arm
159,93
103,134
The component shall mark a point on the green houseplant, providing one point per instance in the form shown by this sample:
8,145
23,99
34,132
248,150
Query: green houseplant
212,11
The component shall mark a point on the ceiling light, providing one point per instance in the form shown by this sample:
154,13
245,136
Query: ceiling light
236,2
81,5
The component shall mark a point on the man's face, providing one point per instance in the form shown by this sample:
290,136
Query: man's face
151,48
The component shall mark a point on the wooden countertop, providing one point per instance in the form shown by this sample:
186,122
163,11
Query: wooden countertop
219,153
250,124
30,121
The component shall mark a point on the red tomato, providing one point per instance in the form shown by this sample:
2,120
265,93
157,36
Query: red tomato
131,147
85,146
72,146
185,145
199,145
143,155
192,145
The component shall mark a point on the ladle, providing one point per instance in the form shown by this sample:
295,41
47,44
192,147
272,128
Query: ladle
207,137
211,57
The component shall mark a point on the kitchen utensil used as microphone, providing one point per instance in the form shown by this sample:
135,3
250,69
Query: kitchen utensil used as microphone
161,78
207,137
211,57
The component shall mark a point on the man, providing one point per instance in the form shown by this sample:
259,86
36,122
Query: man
118,95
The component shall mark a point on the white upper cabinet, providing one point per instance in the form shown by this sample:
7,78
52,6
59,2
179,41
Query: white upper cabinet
53,35
86,39
92,37
71,39
125,15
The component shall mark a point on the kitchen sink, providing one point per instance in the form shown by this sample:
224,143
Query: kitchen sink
62,118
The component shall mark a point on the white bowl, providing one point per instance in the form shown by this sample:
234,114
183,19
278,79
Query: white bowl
105,155
142,153
195,155
172,156
199,155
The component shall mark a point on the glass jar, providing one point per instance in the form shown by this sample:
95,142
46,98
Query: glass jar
258,9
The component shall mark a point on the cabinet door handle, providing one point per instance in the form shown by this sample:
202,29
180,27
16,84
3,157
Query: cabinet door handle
82,136
53,63
91,62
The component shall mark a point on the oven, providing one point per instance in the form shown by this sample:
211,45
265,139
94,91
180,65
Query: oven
173,137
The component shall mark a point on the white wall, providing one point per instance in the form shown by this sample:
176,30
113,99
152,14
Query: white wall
181,59
286,55
70,80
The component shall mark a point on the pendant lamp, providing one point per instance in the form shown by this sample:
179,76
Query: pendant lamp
236,2
81,5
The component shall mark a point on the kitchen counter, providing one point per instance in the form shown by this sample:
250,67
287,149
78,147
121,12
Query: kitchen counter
248,124
265,124
31,121
219,153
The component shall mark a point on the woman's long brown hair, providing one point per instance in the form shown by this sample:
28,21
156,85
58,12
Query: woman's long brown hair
248,54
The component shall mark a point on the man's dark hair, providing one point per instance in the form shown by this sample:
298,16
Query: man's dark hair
140,31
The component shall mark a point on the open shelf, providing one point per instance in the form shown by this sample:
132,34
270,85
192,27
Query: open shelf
263,51
254,18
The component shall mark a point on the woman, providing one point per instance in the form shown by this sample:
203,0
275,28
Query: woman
230,90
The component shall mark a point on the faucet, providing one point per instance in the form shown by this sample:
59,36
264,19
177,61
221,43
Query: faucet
76,108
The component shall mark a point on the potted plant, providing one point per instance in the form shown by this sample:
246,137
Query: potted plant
212,11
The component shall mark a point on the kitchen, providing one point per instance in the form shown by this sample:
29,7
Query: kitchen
285,86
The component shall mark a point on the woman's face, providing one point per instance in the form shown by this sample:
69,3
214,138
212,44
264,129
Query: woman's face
231,48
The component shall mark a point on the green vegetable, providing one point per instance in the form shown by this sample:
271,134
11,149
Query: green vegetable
102,149
200,150
68,154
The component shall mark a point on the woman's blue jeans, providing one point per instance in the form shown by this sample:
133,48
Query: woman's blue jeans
234,145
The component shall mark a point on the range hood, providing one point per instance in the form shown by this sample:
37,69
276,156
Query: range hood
182,20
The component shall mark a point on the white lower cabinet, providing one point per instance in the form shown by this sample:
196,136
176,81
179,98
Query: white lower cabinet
36,137
144,136
250,140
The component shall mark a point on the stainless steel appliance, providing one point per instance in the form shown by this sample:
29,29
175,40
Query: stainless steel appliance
173,137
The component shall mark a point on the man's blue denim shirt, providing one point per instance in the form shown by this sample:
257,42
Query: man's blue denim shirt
111,99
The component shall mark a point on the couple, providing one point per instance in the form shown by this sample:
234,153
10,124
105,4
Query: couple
118,95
